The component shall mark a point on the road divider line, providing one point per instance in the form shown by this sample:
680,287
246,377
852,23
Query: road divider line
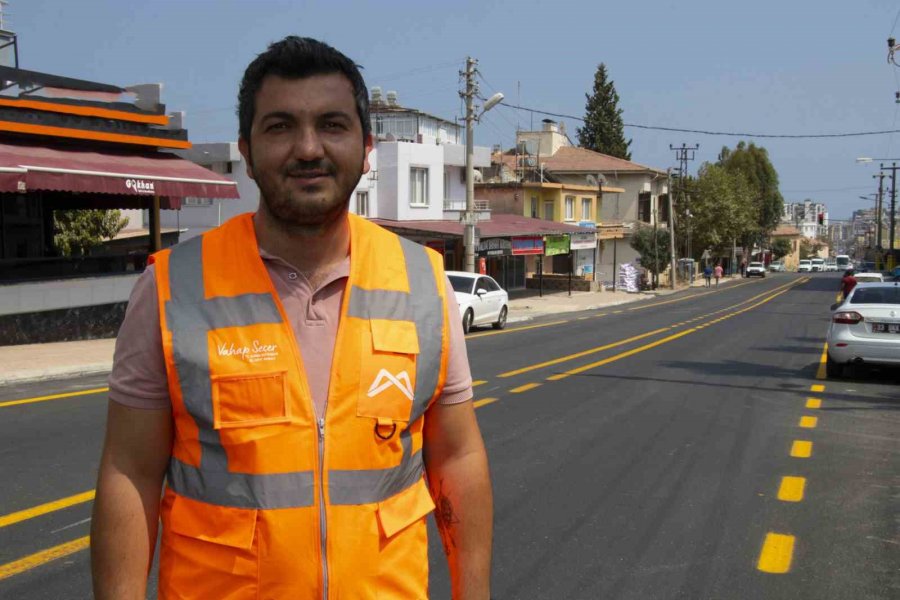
808,422
484,401
777,553
479,382
813,403
620,356
801,449
514,329
43,509
817,387
587,352
791,488
43,557
53,397
820,371
688,297
524,388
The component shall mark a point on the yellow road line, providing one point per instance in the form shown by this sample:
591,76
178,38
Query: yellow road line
809,422
777,553
44,556
53,397
813,403
483,401
801,449
820,372
626,354
43,509
514,330
688,297
479,382
791,489
556,361
524,388
818,387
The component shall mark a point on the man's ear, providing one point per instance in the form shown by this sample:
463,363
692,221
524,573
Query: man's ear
244,149
368,145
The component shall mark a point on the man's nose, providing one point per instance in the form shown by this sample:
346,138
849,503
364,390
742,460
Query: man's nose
308,144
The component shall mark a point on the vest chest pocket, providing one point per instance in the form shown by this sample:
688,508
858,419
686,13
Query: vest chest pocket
250,400
388,372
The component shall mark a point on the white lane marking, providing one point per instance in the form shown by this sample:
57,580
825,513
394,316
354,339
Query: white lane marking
81,522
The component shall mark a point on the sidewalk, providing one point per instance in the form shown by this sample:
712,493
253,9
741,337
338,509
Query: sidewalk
38,362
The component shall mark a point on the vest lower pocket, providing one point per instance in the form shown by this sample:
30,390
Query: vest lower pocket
250,400
402,510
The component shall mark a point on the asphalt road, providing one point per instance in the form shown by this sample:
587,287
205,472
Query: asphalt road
674,448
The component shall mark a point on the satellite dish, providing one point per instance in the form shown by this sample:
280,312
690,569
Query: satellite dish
592,181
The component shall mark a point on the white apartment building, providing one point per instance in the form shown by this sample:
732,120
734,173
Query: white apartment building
806,216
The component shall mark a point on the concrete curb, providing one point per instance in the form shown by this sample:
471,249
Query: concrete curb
36,375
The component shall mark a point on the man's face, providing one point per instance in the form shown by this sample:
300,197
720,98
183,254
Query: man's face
306,150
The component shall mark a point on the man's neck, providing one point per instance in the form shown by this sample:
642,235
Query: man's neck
310,250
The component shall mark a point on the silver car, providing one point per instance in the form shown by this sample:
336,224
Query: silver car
865,328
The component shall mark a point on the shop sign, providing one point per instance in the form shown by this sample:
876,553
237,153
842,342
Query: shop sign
532,244
495,247
556,244
583,241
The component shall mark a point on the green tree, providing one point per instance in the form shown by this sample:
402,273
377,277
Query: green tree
75,232
753,163
809,248
603,129
781,247
653,246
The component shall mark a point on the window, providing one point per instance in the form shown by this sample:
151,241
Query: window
570,208
418,186
534,207
644,207
663,212
586,209
446,185
362,204
548,211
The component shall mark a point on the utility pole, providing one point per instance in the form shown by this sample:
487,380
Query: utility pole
878,210
892,216
683,154
469,217
671,229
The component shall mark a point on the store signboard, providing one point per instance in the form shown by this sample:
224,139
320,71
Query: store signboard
556,244
531,244
495,247
583,241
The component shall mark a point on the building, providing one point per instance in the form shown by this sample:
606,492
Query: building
808,217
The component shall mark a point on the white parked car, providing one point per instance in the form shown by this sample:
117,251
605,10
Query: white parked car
481,300
817,264
830,265
756,269
869,277
804,267
865,328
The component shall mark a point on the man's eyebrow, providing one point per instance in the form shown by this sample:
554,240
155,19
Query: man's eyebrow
278,114
336,114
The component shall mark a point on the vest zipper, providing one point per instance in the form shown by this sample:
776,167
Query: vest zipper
323,527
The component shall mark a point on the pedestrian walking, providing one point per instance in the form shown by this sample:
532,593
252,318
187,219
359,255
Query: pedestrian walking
707,274
848,282
743,268
718,271
293,469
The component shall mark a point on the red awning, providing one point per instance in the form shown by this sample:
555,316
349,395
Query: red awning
29,167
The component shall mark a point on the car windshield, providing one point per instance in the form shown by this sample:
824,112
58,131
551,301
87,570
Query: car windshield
461,284
868,278
755,264
804,262
876,295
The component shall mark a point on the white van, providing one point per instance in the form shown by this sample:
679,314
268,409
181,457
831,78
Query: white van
817,264
843,262
804,266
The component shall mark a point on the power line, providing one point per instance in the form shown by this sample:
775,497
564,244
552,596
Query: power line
719,133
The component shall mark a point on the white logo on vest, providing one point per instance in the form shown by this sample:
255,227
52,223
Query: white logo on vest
257,352
385,380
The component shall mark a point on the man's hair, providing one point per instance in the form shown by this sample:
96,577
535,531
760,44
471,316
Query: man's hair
295,58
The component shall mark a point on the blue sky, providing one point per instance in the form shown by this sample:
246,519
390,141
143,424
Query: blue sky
786,67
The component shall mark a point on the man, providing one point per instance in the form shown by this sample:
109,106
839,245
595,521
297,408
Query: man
294,375
848,282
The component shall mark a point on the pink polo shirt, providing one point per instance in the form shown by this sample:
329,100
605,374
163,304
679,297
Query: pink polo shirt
139,379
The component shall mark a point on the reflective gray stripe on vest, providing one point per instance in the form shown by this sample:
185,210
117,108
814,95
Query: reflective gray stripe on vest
189,316
423,306
376,485
242,490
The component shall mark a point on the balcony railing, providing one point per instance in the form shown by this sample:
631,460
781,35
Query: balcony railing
461,205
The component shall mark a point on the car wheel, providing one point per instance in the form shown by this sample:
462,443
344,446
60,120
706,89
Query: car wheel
501,321
833,370
467,321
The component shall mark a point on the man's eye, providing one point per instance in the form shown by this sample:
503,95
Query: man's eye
276,126
334,125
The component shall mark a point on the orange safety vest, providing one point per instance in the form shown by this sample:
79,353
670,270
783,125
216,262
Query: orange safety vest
261,500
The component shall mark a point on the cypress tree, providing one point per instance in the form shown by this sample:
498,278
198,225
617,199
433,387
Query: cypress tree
603,129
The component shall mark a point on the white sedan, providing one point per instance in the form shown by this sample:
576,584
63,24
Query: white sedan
481,300
865,328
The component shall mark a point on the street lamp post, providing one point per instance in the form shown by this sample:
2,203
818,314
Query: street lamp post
469,218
